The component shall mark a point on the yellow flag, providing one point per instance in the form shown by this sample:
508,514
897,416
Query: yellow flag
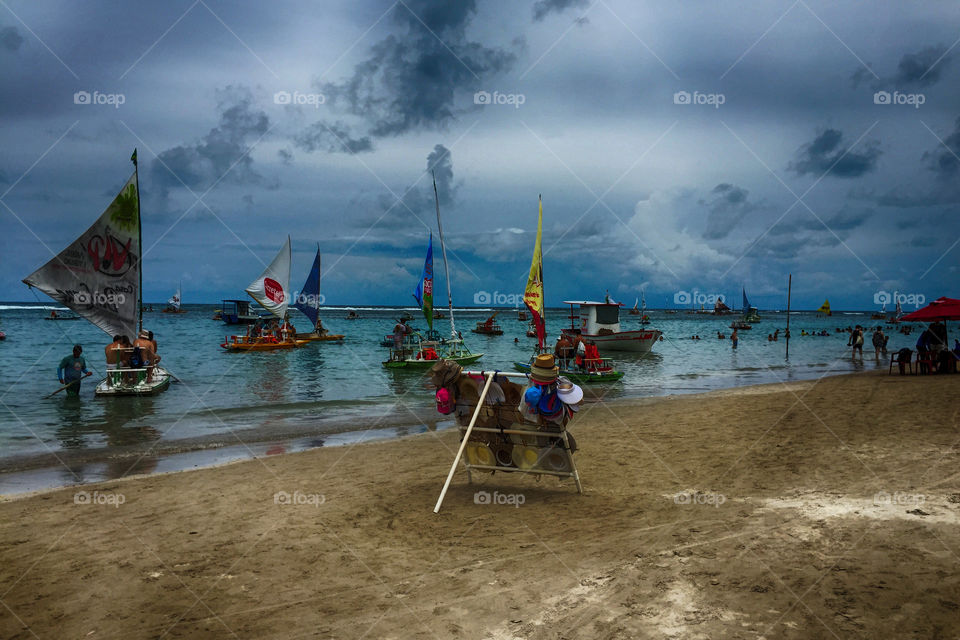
533,294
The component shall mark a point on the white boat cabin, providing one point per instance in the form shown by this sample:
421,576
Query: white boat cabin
597,318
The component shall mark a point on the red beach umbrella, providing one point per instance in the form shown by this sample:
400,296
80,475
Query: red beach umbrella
939,309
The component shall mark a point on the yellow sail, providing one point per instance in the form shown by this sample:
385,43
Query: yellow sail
533,294
825,308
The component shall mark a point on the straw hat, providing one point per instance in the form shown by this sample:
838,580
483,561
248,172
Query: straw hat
554,458
544,370
569,393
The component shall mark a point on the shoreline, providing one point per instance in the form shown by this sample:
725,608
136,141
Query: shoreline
823,508
25,476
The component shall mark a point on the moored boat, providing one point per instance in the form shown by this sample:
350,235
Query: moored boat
427,352
587,366
173,304
271,291
600,324
488,327
99,276
308,303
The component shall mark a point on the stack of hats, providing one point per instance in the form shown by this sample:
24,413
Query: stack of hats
549,396
544,371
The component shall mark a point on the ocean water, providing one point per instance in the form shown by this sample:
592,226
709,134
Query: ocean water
332,388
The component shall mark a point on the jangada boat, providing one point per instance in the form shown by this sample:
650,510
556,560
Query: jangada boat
99,276
308,303
590,368
488,327
173,304
600,324
425,353
271,291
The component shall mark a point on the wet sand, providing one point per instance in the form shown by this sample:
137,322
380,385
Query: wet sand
815,509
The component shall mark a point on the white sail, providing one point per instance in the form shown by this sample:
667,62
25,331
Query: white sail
175,300
98,275
272,288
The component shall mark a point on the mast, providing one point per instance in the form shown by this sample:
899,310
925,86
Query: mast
136,173
789,288
443,248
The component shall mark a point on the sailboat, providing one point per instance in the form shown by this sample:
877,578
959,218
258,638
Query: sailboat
644,318
271,291
895,318
636,308
99,276
596,369
308,303
825,308
882,315
750,313
173,304
427,352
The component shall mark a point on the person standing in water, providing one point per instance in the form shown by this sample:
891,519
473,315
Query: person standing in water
72,370
734,338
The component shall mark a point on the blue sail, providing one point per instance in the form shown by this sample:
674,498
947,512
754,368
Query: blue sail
746,303
308,300
424,291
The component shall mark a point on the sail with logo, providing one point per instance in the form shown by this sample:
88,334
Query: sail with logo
272,288
272,291
98,274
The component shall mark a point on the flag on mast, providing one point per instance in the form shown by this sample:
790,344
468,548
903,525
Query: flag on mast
423,294
533,294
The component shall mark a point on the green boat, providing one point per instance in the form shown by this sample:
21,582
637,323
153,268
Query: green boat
580,377
424,353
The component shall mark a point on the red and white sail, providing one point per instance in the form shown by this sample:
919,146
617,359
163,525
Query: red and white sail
272,288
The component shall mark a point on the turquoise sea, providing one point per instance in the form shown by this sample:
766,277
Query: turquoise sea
326,391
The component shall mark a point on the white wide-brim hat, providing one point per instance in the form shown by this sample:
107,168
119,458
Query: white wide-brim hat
568,392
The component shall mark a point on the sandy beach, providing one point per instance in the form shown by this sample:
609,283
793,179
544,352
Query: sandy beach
814,509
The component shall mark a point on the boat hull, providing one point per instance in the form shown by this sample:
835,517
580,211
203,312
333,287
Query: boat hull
158,384
263,346
576,376
641,341
312,337
412,364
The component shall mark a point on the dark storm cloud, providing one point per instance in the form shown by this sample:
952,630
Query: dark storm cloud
411,79
944,161
286,156
417,201
826,153
10,38
202,163
727,208
332,138
543,8
922,69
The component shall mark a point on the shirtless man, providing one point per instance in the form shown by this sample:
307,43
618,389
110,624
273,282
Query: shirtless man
150,359
112,351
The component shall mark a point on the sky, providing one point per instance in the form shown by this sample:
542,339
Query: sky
684,150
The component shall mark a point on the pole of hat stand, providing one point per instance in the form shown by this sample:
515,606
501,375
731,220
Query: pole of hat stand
463,443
